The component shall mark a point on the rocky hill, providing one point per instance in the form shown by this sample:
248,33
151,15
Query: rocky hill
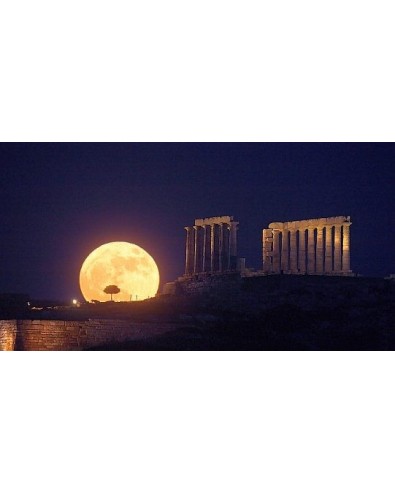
278,313
233,313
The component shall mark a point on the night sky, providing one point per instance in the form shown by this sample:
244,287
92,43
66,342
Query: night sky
61,201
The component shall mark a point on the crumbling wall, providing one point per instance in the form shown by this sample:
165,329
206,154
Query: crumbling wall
60,335
8,329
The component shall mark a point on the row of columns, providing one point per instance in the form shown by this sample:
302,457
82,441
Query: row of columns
211,248
325,252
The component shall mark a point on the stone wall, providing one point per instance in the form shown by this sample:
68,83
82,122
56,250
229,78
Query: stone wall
221,284
8,330
60,335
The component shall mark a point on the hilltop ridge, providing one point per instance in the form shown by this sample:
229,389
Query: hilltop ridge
274,312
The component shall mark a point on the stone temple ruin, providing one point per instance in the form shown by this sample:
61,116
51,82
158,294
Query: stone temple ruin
211,246
318,247
313,246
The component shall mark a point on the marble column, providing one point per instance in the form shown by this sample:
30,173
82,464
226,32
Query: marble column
302,251
328,249
233,245
320,250
220,247
214,248
338,249
204,249
285,252
206,267
233,239
346,248
189,251
276,251
293,257
198,249
311,252
226,248
267,239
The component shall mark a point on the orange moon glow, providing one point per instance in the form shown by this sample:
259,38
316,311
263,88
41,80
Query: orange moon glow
123,264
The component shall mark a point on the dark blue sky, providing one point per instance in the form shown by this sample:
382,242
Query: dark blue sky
60,201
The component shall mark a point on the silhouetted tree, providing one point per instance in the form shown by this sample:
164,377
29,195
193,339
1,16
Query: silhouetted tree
112,290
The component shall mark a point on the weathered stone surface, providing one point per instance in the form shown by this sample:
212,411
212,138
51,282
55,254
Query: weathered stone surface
302,252
170,288
320,251
211,246
214,247
276,251
214,220
311,223
189,250
346,248
327,254
338,249
285,252
328,249
8,330
60,335
198,251
206,248
267,240
293,256
311,252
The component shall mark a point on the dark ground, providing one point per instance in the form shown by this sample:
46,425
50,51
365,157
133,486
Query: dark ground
282,313
275,313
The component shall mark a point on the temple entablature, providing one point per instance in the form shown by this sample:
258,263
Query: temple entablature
311,223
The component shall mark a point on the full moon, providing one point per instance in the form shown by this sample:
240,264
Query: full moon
122,264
